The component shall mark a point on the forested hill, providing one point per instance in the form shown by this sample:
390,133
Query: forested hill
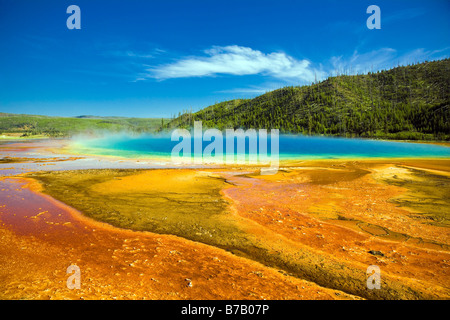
407,102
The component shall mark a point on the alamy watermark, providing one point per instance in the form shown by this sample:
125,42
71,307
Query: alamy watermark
373,277
190,149
374,21
74,20
74,280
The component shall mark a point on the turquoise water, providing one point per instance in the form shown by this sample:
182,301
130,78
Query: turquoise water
290,147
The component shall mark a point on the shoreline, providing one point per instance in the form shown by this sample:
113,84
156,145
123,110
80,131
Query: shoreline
44,137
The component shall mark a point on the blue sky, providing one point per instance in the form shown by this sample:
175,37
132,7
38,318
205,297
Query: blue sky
156,58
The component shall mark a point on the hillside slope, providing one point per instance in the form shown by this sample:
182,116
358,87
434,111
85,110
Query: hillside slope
408,102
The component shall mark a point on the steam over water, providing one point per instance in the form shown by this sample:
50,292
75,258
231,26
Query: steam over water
290,147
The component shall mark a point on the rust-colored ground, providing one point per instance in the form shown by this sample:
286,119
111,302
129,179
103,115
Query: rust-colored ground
41,237
337,209
349,213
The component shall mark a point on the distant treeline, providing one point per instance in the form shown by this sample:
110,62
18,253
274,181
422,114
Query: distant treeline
406,102
31,125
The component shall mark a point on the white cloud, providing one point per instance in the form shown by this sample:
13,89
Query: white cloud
420,55
364,62
237,60
381,59
241,61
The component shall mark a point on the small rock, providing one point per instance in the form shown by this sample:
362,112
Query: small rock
376,253
189,282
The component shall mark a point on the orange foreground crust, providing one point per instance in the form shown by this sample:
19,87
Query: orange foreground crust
40,237
322,205
348,218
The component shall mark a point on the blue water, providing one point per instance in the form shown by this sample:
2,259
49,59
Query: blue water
290,147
